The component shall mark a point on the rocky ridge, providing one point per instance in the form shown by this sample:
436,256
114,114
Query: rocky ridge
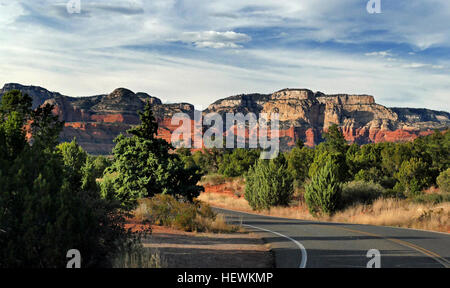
96,120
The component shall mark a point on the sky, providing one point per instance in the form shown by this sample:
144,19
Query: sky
201,51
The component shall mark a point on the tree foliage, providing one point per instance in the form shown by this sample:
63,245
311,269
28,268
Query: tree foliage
443,181
49,201
268,184
323,193
413,176
144,166
238,162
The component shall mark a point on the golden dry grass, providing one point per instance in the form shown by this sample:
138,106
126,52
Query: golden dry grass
385,212
399,213
139,257
167,211
217,225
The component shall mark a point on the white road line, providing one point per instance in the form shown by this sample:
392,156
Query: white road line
302,248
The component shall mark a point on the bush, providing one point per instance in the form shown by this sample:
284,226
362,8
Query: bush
413,177
268,184
238,162
360,192
443,181
166,210
323,193
299,161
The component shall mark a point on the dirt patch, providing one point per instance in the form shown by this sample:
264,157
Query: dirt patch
180,249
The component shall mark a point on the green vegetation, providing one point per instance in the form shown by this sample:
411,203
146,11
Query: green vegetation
443,181
268,184
324,192
49,201
237,162
360,192
367,172
144,166
413,176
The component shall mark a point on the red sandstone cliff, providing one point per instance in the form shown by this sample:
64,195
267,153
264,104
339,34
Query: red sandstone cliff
96,120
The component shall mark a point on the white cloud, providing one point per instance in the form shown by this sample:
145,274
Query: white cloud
43,45
214,39
10,11
379,53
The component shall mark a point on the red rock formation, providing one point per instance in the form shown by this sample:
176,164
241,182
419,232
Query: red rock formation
95,121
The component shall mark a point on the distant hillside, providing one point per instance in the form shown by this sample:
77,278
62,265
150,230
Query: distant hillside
96,120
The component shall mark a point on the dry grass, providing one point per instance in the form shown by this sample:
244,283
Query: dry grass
399,213
385,212
166,211
225,201
139,257
217,225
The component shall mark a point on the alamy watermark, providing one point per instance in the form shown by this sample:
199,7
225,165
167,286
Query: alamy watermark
73,6
374,6
375,261
75,258
240,131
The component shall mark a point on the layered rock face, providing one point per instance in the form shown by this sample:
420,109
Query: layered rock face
96,120
305,115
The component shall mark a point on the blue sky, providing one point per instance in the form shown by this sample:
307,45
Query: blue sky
200,51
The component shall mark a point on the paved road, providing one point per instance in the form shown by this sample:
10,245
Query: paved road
298,243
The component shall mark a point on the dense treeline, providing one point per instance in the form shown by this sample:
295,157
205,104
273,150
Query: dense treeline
334,174
49,198
55,197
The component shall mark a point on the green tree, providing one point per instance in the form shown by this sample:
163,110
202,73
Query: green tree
100,164
299,160
443,181
144,166
323,193
74,159
42,214
413,176
268,184
322,157
238,162
334,140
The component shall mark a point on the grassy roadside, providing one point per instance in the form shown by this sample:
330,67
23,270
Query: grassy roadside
383,212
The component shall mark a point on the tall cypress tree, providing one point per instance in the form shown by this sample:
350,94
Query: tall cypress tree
323,193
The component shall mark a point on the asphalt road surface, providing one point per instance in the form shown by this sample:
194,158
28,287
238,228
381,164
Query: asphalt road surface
309,244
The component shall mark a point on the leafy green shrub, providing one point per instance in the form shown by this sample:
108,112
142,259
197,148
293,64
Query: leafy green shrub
360,192
443,181
238,162
268,184
413,177
324,192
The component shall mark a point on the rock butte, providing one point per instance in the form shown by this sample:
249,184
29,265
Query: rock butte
96,120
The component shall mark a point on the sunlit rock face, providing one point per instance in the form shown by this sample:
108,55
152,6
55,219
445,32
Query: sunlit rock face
96,120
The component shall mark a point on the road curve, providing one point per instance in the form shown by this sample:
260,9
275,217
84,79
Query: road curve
300,243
